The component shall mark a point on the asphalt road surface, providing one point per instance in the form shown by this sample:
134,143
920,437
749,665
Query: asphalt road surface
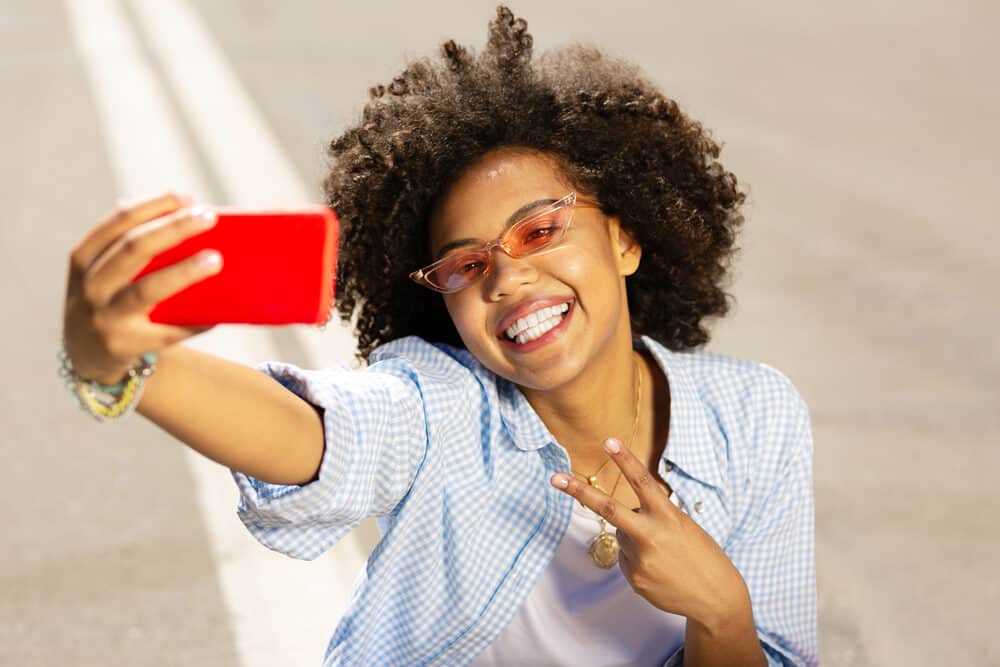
867,135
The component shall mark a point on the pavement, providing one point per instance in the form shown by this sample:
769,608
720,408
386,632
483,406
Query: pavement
866,135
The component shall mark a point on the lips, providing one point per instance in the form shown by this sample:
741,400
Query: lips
525,308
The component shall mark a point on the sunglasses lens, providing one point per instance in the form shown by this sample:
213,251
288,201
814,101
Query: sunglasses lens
458,272
540,232
525,238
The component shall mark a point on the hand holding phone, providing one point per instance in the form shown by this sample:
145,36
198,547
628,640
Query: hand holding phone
141,269
278,267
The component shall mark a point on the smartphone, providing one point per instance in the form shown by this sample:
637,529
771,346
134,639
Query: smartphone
278,267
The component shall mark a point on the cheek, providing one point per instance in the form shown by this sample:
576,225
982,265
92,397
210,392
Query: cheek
466,314
593,276
580,265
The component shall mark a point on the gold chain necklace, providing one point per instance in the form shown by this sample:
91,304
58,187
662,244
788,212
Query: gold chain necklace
604,546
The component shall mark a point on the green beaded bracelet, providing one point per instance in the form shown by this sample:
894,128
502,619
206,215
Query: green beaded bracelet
84,391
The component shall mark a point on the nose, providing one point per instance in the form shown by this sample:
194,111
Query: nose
507,274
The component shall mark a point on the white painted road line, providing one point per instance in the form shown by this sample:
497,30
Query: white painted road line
146,147
240,146
282,610
243,151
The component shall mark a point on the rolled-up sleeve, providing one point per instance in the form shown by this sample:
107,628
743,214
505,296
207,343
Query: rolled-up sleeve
775,548
374,428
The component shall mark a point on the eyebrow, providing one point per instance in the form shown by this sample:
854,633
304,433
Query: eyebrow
514,217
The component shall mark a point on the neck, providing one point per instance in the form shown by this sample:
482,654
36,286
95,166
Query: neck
595,405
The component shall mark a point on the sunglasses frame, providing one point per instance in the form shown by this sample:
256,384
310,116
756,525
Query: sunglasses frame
572,200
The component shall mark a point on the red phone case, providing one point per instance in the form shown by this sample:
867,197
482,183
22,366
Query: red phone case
278,267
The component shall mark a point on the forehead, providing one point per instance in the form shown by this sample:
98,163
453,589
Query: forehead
479,202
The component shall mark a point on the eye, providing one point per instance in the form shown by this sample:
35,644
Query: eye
469,267
539,233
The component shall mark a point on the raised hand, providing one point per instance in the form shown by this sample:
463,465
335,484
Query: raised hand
665,556
105,321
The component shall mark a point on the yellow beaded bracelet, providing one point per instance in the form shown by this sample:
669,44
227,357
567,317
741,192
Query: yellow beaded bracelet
103,402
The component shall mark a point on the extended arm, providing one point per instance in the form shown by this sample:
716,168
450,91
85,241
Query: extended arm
234,415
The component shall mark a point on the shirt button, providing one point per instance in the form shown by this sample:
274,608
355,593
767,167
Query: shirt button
668,466
698,506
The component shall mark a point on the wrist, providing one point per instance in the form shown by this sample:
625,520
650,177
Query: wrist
107,401
731,616
107,371
110,378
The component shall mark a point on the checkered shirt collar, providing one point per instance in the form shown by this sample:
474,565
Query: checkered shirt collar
690,442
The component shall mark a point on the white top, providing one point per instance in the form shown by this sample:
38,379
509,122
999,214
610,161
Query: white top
581,614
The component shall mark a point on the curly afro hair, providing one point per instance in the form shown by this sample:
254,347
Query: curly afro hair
616,136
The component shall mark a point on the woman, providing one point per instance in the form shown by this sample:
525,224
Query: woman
531,252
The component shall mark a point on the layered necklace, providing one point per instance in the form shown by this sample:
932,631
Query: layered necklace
604,546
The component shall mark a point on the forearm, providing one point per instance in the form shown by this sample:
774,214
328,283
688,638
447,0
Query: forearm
234,415
729,640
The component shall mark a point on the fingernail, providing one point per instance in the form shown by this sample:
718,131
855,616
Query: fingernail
560,480
202,218
612,445
209,260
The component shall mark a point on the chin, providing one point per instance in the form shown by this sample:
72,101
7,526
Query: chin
543,376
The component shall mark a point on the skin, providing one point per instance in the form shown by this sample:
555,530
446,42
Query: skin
583,385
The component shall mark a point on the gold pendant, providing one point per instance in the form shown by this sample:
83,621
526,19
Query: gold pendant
604,549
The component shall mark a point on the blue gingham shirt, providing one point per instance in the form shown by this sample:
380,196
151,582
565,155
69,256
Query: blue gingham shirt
455,465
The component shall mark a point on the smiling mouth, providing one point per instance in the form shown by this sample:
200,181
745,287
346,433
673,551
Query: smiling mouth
536,325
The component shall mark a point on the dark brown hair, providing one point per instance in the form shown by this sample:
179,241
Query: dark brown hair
617,137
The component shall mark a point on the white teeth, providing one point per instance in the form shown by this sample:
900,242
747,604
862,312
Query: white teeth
523,326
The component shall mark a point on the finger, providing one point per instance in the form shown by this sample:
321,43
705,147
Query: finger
624,541
625,563
159,336
604,505
165,335
123,218
651,495
134,249
626,552
142,295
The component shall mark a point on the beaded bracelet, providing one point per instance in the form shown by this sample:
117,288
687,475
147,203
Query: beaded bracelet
106,402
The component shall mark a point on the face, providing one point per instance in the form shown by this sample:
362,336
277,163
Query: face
578,285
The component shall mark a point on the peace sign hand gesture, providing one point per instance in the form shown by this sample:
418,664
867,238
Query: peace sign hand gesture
665,556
